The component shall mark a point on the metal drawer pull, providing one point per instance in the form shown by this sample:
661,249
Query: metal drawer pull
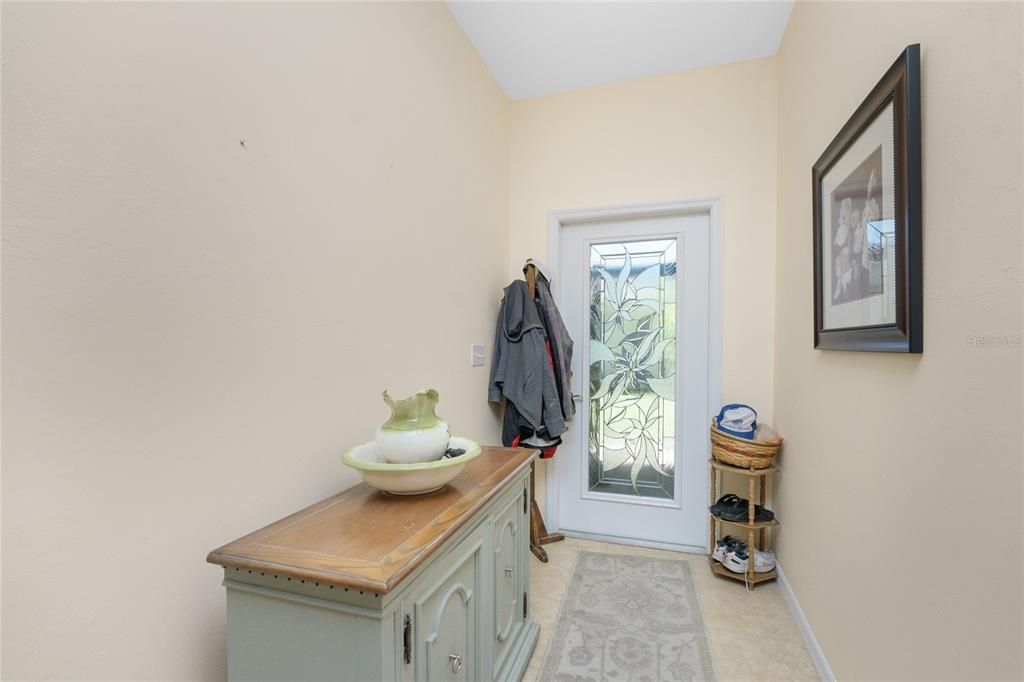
456,661
509,571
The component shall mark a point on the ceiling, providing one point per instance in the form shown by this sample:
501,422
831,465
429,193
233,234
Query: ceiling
538,48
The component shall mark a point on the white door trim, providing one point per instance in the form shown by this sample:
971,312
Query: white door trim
710,205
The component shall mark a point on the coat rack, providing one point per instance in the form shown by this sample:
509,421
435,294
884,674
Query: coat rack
539,534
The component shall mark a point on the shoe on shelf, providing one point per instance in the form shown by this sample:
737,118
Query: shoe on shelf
725,502
726,545
739,510
737,561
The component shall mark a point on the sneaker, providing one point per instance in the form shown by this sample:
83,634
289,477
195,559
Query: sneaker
737,561
726,545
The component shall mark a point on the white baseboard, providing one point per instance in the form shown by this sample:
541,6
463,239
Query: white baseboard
813,648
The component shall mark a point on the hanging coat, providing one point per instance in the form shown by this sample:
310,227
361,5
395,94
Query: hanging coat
521,367
561,346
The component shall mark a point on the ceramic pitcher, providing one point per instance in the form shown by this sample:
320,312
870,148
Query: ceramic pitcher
414,433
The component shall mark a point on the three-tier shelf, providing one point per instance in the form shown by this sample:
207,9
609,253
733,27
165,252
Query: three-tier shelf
757,481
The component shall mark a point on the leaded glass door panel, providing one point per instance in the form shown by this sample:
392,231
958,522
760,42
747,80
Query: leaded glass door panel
631,430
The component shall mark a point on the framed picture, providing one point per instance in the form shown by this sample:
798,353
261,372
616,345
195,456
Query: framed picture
867,221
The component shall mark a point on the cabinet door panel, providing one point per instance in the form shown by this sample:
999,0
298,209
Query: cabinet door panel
447,617
509,570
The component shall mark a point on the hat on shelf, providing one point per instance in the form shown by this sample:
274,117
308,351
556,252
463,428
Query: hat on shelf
738,420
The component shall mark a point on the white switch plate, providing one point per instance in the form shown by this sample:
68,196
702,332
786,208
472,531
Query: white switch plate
476,355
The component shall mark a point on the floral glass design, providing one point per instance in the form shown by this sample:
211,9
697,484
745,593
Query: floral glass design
632,430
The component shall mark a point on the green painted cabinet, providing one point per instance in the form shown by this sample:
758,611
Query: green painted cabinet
459,614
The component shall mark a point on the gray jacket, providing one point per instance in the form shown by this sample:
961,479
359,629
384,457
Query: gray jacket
561,346
521,370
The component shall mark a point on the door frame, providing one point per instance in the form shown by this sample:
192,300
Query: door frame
712,206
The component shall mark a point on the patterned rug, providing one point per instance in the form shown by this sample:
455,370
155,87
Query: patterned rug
629,619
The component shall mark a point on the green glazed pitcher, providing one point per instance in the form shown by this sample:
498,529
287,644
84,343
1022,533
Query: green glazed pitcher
414,433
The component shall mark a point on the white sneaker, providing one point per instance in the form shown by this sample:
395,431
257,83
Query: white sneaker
726,545
737,562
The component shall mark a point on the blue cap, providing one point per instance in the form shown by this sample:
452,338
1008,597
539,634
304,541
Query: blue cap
738,420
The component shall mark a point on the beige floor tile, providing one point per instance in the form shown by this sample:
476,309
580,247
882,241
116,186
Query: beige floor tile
544,610
560,555
549,580
741,654
574,543
770,619
541,650
612,548
616,548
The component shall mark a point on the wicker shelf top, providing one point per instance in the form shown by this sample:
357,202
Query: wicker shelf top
722,466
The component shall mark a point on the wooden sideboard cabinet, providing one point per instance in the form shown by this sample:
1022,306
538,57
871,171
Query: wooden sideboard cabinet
366,586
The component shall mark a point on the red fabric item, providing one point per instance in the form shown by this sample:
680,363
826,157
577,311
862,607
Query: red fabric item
546,453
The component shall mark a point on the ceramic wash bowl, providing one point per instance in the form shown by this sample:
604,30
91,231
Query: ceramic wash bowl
416,478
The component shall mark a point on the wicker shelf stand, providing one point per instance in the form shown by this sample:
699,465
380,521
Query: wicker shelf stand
757,482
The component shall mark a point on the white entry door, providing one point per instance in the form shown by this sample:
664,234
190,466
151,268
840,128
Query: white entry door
634,293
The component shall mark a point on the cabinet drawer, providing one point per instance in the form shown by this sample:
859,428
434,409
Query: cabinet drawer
509,542
447,616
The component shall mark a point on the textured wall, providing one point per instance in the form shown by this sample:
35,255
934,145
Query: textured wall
194,331
901,488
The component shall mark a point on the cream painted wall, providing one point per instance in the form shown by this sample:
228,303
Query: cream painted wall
901,487
193,330
683,135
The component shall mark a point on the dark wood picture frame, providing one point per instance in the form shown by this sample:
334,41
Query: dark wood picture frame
900,85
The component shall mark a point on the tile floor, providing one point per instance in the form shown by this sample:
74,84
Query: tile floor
753,637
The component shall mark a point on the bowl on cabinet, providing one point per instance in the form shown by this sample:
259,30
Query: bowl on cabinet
414,478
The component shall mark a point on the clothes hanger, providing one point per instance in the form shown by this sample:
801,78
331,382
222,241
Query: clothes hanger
530,270
540,266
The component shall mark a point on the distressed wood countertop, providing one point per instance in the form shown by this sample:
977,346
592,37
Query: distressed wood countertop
364,539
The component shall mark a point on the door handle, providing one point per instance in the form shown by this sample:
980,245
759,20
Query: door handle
509,571
577,397
456,662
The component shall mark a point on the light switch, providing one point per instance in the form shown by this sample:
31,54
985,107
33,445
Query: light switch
476,355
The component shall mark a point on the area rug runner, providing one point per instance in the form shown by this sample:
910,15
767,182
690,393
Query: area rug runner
629,619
